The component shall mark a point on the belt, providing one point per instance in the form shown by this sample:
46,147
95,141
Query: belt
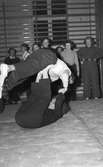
89,60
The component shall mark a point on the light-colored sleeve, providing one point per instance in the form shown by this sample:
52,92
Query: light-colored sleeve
65,79
63,56
3,74
43,74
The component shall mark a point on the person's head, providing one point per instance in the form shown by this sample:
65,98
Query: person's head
59,49
12,52
89,42
45,43
70,45
25,47
35,47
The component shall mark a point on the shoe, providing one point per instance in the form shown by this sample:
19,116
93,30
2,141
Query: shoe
52,104
87,98
95,98
66,108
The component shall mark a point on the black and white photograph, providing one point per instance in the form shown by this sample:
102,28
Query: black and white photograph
51,83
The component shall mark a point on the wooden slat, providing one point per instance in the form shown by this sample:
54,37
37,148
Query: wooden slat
77,21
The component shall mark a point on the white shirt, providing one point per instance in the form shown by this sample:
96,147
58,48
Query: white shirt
59,70
71,58
25,55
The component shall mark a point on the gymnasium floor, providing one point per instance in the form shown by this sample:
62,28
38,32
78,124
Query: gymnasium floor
74,141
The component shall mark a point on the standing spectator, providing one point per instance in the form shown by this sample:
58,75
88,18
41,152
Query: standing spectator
35,47
69,55
25,87
59,49
13,96
89,56
46,43
25,51
12,57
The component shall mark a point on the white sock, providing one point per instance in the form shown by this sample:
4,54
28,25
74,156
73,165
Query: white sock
52,104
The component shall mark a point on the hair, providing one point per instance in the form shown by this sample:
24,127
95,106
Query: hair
25,46
59,47
36,43
58,54
73,45
49,40
12,48
93,42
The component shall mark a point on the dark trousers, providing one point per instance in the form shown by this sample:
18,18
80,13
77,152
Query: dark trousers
71,92
34,113
13,94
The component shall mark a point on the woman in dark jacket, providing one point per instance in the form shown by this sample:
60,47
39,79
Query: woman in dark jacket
89,55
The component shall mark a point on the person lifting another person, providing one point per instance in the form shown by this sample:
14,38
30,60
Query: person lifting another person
33,113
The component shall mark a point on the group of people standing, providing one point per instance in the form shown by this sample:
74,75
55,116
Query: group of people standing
52,74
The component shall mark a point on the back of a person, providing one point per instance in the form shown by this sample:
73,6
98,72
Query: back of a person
46,55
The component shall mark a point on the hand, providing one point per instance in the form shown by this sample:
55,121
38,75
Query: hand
63,90
71,81
78,73
11,68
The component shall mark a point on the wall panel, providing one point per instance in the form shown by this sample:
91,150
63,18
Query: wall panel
16,24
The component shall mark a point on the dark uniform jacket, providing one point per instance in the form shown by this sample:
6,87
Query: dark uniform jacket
89,70
92,53
10,61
